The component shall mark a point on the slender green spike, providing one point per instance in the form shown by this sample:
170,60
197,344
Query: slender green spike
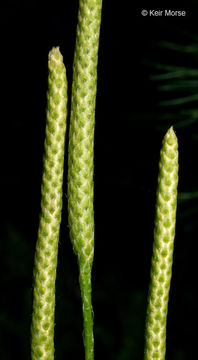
161,265
80,163
42,329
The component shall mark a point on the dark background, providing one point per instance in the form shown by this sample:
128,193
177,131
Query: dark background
130,125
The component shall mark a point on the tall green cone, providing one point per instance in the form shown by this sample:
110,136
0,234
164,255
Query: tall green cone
81,145
162,259
42,330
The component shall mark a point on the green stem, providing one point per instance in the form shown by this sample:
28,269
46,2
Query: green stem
81,144
42,329
85,287
162,259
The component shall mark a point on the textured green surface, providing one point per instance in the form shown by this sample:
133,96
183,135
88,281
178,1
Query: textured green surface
164,233
81,145
42,329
